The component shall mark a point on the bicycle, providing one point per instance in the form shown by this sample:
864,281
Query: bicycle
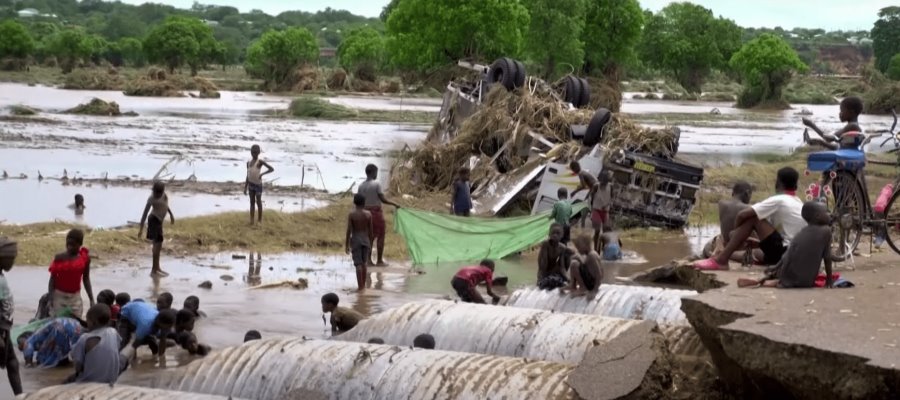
844,190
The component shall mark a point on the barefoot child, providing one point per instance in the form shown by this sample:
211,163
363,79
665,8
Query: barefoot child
8,360
585,269
811,247
611,244
600,207
374,196
146,324
158,202
68,271
343,319
357,243
850,109
461,194
253,185
96,354
467,279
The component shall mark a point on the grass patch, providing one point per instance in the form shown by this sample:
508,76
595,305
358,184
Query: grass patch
317,108
319,231
22,110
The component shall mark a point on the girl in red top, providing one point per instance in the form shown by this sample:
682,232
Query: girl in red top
67,272
467,278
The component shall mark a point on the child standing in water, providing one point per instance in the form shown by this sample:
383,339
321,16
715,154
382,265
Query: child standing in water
461,194
68,271
253,185
600,207
8,360
78,206
374,196
158,202
562,214
358,241
611,244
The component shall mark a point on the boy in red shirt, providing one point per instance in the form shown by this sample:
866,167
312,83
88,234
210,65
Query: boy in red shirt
467,278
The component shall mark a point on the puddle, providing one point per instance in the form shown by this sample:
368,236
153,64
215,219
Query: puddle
116,206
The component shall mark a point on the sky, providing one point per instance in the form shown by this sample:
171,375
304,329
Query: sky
825,14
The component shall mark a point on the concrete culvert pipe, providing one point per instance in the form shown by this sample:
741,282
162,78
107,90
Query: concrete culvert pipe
273,369
632,302
502,331
97,391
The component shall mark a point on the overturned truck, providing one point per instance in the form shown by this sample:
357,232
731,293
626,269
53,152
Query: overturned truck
517,134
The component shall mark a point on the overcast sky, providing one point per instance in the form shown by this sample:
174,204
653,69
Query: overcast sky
826,14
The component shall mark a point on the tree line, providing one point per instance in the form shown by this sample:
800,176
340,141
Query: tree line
609,38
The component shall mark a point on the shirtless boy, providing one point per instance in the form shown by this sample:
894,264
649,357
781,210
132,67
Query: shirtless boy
585,269
358,241
851,107
586,181
800,265
157,207
374,197
552,260
741,193
253,185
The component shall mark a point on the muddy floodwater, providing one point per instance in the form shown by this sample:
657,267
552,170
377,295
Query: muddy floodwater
232,307
208,141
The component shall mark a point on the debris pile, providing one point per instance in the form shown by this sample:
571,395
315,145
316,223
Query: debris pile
498,137
99,108
313,107
157,83
92,79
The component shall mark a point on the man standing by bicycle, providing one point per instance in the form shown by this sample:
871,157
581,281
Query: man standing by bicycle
775,220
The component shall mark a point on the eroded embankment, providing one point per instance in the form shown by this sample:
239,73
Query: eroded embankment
753,365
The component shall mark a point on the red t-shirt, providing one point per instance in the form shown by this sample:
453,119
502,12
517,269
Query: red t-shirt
67,274
476,274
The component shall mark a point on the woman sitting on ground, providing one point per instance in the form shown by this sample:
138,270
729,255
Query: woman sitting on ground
68,271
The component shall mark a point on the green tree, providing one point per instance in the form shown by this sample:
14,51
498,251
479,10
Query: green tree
172,43
886,36
611,34
554,34
362,52
128,51
15,41
277,54
893,70
70,46
687,41
427,33
766,65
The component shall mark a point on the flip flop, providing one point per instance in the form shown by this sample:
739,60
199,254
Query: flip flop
709,264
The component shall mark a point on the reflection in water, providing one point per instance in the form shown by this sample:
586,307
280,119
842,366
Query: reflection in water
253,277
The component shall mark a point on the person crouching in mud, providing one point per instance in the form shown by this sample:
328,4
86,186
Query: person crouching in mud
466,280
585,268
552,259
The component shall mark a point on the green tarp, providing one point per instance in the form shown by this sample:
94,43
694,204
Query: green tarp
433,238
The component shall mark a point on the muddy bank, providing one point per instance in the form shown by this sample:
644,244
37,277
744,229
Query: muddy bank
804,343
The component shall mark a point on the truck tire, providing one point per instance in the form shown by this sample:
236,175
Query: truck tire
573,90
585,93
504,72
594,133
520,73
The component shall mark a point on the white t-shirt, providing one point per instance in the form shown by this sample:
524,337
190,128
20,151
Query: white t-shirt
783,212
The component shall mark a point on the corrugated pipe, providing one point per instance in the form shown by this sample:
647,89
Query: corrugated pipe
630,302
98,391
484,329
273,369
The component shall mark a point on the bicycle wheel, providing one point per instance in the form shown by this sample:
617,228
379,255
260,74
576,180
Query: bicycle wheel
891,224
848,212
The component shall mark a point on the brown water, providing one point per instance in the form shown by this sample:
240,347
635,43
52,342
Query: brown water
233,308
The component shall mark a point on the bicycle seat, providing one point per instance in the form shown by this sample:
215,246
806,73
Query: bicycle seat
843,159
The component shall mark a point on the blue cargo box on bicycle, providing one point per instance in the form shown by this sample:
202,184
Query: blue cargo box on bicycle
844,159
